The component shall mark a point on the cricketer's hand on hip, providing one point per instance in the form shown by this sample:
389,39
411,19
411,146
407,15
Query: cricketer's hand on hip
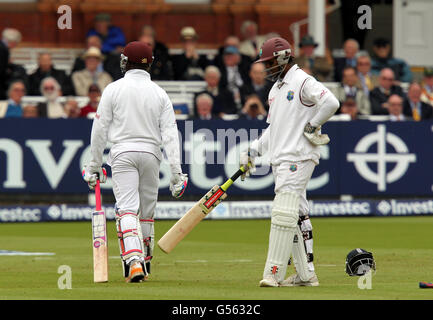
92,173
178,184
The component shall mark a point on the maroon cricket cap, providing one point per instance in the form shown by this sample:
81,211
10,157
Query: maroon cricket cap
138,52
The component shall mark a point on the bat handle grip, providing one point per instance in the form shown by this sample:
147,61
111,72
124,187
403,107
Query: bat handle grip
98,196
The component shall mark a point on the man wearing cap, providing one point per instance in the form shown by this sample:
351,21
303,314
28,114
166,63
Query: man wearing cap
427,87
234,75
320,68
92,74
382,59
112,37
137,117
189,65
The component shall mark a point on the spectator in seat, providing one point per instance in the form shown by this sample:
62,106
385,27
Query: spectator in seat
52,108
233,76
350,88
386,88
257,85
90,109
395,108
113,39
427,87
413,106
252,42
222,98
91,74
189,65
161,66
16,72
46,69
10,39
72,109
204,103
30,111
253,109
351,48
349,107
319,67
367,80
110,62
382,59
232,41
13,108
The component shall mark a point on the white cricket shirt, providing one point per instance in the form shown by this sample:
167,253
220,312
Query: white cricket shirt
293,102
135,114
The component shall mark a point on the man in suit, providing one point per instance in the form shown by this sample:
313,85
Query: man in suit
351,48
223,101
189,65
252,42
231,41
380,95
367,80
234,75
320,68
350,88
258,85
46,69
395,109
204,104
10,39
413,106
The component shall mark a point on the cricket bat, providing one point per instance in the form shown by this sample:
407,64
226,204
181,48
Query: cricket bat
99,240
197,213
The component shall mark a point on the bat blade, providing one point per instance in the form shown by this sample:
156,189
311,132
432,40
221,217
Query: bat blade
100,246
185,224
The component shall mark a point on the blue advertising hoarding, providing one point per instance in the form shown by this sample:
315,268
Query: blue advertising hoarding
364,158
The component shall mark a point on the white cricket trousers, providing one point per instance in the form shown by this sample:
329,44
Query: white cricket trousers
294,177
135,177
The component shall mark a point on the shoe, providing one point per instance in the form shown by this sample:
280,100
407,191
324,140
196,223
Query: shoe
269,282
136,273
295,281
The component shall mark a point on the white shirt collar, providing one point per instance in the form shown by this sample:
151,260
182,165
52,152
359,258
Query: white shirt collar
134,72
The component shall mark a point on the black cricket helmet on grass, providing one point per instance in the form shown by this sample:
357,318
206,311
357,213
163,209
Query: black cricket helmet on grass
275,53
136,54
359,262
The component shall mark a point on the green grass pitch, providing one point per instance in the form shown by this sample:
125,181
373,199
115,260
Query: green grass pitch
221,260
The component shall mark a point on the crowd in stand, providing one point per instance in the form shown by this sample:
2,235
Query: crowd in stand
368,85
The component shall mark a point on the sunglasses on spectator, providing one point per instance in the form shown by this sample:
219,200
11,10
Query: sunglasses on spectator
364,63
49,88
19,89
387,79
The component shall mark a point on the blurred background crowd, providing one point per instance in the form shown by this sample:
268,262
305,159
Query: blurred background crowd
232,86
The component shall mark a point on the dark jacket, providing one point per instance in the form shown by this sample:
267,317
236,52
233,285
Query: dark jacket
223,102
377,98
4,62
62,78
263,93
426,110
339,65
181,64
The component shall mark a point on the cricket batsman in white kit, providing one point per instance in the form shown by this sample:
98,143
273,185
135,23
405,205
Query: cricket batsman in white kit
137,117
299,106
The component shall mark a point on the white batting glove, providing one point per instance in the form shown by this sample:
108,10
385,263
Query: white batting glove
314,136
91,174
247,161
178,183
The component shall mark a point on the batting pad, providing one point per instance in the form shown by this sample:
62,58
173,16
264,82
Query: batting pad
300,257
280,247
285,210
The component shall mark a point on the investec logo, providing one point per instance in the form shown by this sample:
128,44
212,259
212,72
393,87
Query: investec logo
402,158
